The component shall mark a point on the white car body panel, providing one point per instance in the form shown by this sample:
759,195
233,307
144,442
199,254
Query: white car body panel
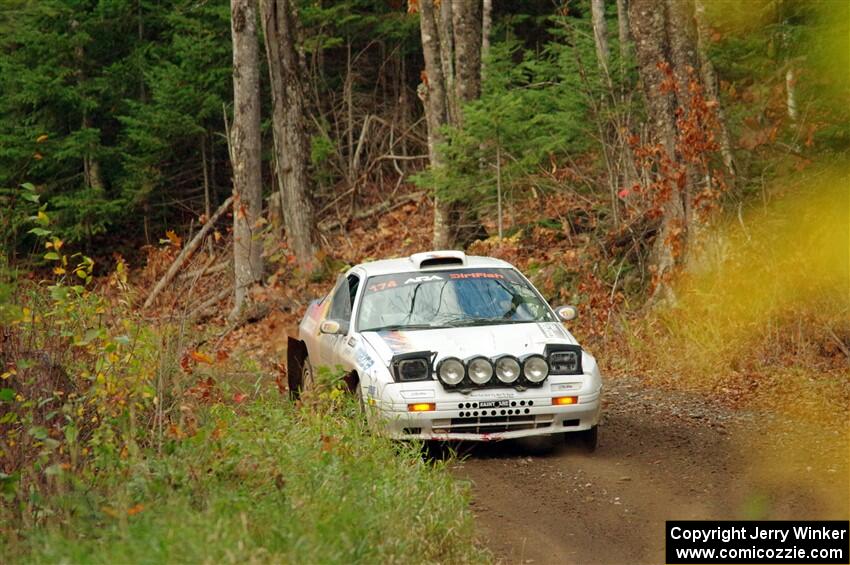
458,416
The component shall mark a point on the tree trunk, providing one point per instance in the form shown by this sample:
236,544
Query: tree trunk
446,44
486,27
245,144
466,24
709,79
649,24
451,45
681,34
600,34
289,125
432,91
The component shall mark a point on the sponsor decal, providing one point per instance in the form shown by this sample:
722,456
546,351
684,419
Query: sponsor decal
566,386
551,330
386,282
363,359
423,279
408,394
494,404
397,341
492,395
377,287
476,276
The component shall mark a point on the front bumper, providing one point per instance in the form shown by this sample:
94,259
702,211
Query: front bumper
460,418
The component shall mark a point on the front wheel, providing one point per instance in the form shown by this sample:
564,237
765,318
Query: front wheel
588,439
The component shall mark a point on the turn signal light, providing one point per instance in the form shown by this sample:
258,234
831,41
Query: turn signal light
422,407
564,400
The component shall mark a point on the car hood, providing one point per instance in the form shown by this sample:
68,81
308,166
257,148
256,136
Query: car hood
489,341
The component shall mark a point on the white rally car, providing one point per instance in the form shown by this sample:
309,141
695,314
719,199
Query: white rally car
445,346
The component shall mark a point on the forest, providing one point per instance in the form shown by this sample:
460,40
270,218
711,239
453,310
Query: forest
180,178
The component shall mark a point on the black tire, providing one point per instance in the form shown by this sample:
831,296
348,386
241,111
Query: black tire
588,439
361,402
308,377
296,356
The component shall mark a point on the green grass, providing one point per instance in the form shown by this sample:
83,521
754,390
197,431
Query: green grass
273,484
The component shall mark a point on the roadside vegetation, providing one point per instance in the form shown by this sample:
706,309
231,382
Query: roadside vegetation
123,451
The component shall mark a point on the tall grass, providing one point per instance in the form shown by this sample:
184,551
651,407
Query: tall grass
764,310
121,443
267,482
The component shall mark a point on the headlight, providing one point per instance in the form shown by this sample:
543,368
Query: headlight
535,369
480,370
450,371
413,369
564,362
507,369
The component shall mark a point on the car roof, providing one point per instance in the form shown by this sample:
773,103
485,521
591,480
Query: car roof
411,264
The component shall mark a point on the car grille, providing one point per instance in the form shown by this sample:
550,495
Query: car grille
491,424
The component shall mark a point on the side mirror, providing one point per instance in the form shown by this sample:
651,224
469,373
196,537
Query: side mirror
566,313
333,327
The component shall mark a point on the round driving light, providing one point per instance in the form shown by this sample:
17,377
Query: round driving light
507,369
451,371
480,370
535,369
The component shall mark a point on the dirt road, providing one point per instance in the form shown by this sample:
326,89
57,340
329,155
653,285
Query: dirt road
661,456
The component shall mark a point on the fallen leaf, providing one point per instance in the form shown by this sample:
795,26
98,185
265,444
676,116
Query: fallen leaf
201,357
175,239
135,509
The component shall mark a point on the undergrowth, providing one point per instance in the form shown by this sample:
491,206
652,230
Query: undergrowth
125,441
265,482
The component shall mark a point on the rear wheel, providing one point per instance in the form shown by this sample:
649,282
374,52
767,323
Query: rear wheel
308,380
358,394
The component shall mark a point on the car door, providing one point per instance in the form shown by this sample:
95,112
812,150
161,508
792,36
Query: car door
331,345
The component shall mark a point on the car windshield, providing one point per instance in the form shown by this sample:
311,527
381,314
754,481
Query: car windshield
445,299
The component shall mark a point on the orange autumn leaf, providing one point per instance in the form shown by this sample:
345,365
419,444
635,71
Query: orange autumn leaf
201,357
135,509
175,239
